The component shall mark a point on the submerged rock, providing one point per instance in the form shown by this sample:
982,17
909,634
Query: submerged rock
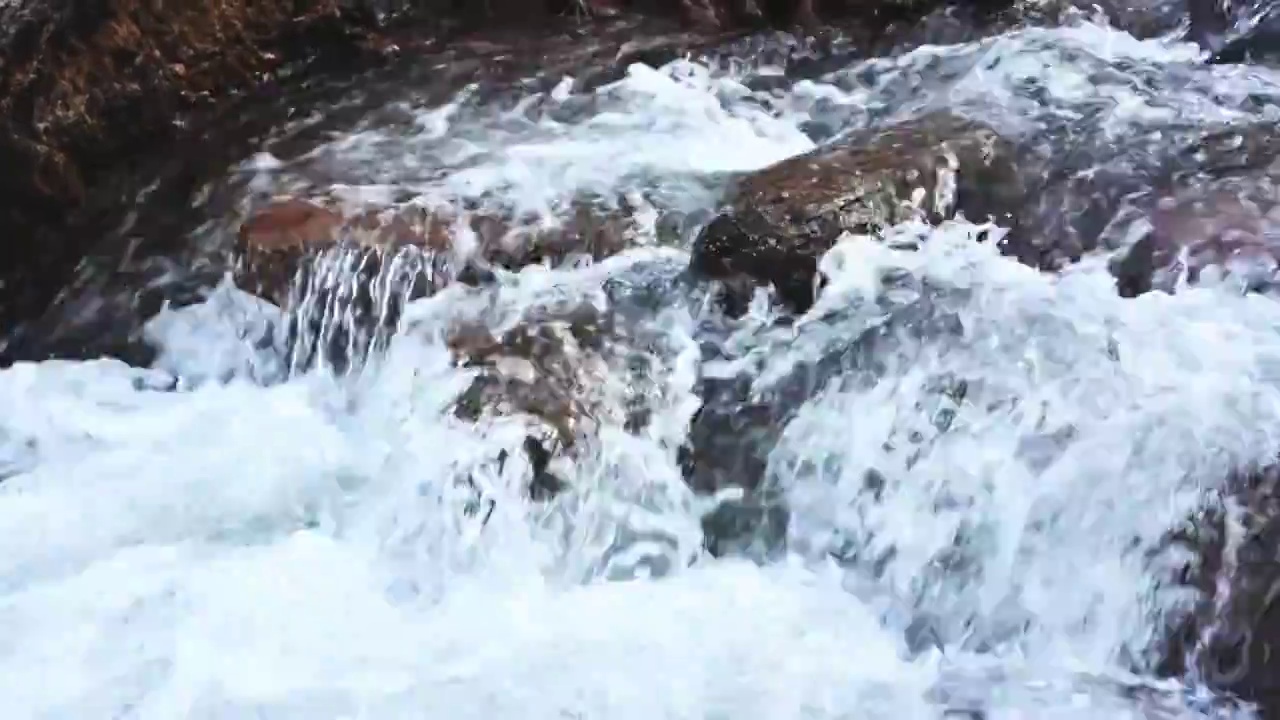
781,220
728,445
558,367
1140,18
1229,226
1213,206
582,231
1164,201
1230,635
1243,31
550,365
749,403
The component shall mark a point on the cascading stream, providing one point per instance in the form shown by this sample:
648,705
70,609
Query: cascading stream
981,492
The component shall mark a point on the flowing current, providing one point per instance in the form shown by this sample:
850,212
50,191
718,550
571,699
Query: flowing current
218,537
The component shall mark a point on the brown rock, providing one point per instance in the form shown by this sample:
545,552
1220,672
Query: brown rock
587,232
274,240
554,367
273,244
550,368
289,224
344,280
782,219
702,14
88,87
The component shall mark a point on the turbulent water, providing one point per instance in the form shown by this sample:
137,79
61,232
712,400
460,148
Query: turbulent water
216,537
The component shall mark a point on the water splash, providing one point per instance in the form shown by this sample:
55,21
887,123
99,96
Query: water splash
981,489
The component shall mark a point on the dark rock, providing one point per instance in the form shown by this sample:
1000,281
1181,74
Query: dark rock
556,367
1140,18
733,437
1230,224
1231,635
1104,195
727,448
88,89
781,220
1240,31
1167,205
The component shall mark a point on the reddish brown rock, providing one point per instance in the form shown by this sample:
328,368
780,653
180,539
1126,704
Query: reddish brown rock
782,219
273,244
556,367
273,241
587,232
345,277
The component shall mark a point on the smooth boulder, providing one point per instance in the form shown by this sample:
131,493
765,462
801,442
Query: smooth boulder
781,220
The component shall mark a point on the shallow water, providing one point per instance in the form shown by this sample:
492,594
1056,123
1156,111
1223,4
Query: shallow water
220,537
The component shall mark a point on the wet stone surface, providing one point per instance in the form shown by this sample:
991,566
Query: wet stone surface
568,374
782,219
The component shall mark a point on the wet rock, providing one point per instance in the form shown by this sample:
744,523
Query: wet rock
1232,631
1140,18
733,437
865,17
343,280
550,367
1232,31
1241,31
715,14
728,445
781,220
1229,226
559,368
1217,212
85,89
273,243
1097,195
587,231
570,368
947,25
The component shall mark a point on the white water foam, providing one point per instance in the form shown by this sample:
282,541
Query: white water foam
187,542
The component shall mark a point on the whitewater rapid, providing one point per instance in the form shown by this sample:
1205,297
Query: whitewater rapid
213,537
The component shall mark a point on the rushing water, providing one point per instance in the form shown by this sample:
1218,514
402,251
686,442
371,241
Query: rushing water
216,537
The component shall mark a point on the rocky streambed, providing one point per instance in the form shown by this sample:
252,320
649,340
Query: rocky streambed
884,359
